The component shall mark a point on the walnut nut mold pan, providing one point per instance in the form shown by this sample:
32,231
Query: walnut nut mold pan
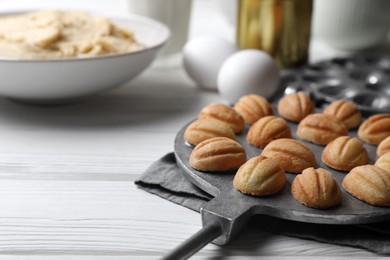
225,216
365,80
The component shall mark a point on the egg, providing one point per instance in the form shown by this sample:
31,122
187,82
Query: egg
248,72
203,57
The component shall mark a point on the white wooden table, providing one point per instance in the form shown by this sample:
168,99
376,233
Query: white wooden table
67,179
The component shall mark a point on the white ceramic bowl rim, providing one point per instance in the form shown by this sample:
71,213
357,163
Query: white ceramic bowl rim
131,17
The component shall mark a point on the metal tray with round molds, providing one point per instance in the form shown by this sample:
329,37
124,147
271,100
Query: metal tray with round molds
364,80
226,215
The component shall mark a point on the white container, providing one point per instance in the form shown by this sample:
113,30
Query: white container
351,25
174,13
228,9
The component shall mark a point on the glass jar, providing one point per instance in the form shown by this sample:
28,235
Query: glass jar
279,27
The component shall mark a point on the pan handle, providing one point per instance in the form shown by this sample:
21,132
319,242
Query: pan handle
221,223
205,235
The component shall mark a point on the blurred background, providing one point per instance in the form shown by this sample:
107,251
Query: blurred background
338,28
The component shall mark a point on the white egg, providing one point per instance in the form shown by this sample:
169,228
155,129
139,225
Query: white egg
248,72
203,57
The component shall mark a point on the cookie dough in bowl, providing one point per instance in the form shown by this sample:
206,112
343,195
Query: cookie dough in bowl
76,64
56,34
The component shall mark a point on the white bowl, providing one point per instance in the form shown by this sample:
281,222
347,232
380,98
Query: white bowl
58,81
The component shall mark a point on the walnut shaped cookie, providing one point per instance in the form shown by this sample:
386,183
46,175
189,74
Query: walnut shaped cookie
260,176
316,188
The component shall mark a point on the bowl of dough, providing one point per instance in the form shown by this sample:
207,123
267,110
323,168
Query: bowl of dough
56,56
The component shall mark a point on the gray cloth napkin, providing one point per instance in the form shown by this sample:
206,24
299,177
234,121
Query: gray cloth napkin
165,179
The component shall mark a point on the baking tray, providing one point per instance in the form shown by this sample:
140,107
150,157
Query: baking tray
364,80
227,214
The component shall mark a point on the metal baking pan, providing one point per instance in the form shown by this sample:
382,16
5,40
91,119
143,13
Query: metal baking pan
364,80
226,215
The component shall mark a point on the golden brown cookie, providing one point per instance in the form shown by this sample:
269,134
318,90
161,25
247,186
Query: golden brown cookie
375,129
316,188
345,153
384,162
217,154
203,129
260,176
267,129
225,114
296,106
383,147
293,156
253,107
320,129
370,184
345,111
